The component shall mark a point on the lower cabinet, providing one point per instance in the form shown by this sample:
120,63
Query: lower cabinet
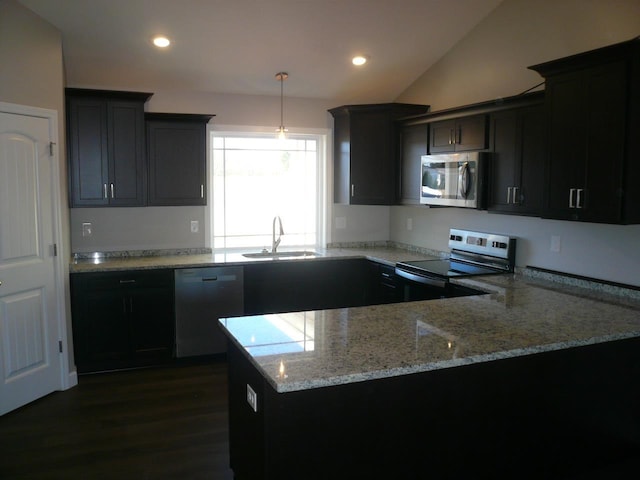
122,319
300,285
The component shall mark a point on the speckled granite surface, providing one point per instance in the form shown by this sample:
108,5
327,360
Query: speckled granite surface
518,316
388,255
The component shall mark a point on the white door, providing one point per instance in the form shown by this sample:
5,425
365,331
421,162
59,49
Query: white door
30,362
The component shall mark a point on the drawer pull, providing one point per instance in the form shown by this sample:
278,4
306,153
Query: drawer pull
127,281
210,279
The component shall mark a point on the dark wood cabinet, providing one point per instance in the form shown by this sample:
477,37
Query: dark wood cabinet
177,158
304,285
593,116
384,286
459,134
106,147
517,162
366,166
122,319
414,141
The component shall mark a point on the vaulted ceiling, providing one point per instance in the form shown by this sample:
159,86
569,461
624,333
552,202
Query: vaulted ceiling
237,46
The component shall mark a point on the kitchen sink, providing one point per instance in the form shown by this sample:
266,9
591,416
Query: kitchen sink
291,254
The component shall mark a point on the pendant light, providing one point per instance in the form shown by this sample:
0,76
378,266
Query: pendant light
281,77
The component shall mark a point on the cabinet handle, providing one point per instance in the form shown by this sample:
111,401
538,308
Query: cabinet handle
459,138
579,197
451,139
104,190
509,194
112,190
572,191
210,279
127,281
353,190
201,191
516,200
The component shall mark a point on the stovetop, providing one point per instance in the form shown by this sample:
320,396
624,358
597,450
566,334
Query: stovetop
472,253
446,268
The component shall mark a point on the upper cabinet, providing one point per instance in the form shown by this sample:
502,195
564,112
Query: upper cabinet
593,118
459,135
106,147
518,147
177,158
365,152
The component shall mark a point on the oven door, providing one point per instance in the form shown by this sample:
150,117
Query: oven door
416,287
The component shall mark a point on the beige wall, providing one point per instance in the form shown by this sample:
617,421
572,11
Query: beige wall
491,62
32,74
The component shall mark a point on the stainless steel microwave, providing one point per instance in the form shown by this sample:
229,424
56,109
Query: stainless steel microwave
454,179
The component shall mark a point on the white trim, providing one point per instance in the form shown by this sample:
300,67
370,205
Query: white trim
68,378
324,185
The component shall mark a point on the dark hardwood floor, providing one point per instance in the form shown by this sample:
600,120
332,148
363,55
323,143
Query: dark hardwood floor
155,423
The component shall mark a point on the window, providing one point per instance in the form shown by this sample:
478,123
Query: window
256,177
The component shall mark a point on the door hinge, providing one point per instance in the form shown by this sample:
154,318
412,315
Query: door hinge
60,345
54,249
51,144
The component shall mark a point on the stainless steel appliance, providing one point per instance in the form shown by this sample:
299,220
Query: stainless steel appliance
455,179
472,253
202,296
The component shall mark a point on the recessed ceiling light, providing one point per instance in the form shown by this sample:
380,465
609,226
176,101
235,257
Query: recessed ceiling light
359,60
161,42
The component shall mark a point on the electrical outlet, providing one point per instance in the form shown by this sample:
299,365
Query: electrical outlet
252,398
87,229
555,243
195,226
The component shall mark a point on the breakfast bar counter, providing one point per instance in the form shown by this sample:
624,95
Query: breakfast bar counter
527,376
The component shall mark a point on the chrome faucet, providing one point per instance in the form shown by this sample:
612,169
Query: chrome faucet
275,243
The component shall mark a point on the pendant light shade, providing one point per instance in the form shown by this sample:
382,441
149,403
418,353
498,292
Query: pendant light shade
281,77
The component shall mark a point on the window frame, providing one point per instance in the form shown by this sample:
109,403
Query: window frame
323,174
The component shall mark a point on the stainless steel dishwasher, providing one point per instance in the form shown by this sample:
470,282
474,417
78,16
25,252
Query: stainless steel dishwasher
202,296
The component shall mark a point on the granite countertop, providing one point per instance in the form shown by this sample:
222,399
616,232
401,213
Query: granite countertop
387,255
517,316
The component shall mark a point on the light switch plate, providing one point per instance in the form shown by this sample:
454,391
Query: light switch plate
87,229
195,226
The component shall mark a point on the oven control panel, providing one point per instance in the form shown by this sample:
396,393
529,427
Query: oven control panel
491,244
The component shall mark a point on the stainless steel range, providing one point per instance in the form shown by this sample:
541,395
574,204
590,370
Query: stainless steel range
472,253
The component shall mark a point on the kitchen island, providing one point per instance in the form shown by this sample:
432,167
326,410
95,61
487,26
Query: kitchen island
526,380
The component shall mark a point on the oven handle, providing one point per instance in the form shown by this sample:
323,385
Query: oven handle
436,282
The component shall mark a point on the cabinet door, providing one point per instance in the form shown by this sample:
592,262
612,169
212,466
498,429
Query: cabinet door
126,153
372,168
566,143
177,162
414,142
517,162
100,329
88,152
532,145
503,168
471,133
442,137
151,318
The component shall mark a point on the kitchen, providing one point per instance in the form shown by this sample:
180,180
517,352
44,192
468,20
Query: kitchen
517,34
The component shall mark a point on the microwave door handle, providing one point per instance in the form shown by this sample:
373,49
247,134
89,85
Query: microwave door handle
464,179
